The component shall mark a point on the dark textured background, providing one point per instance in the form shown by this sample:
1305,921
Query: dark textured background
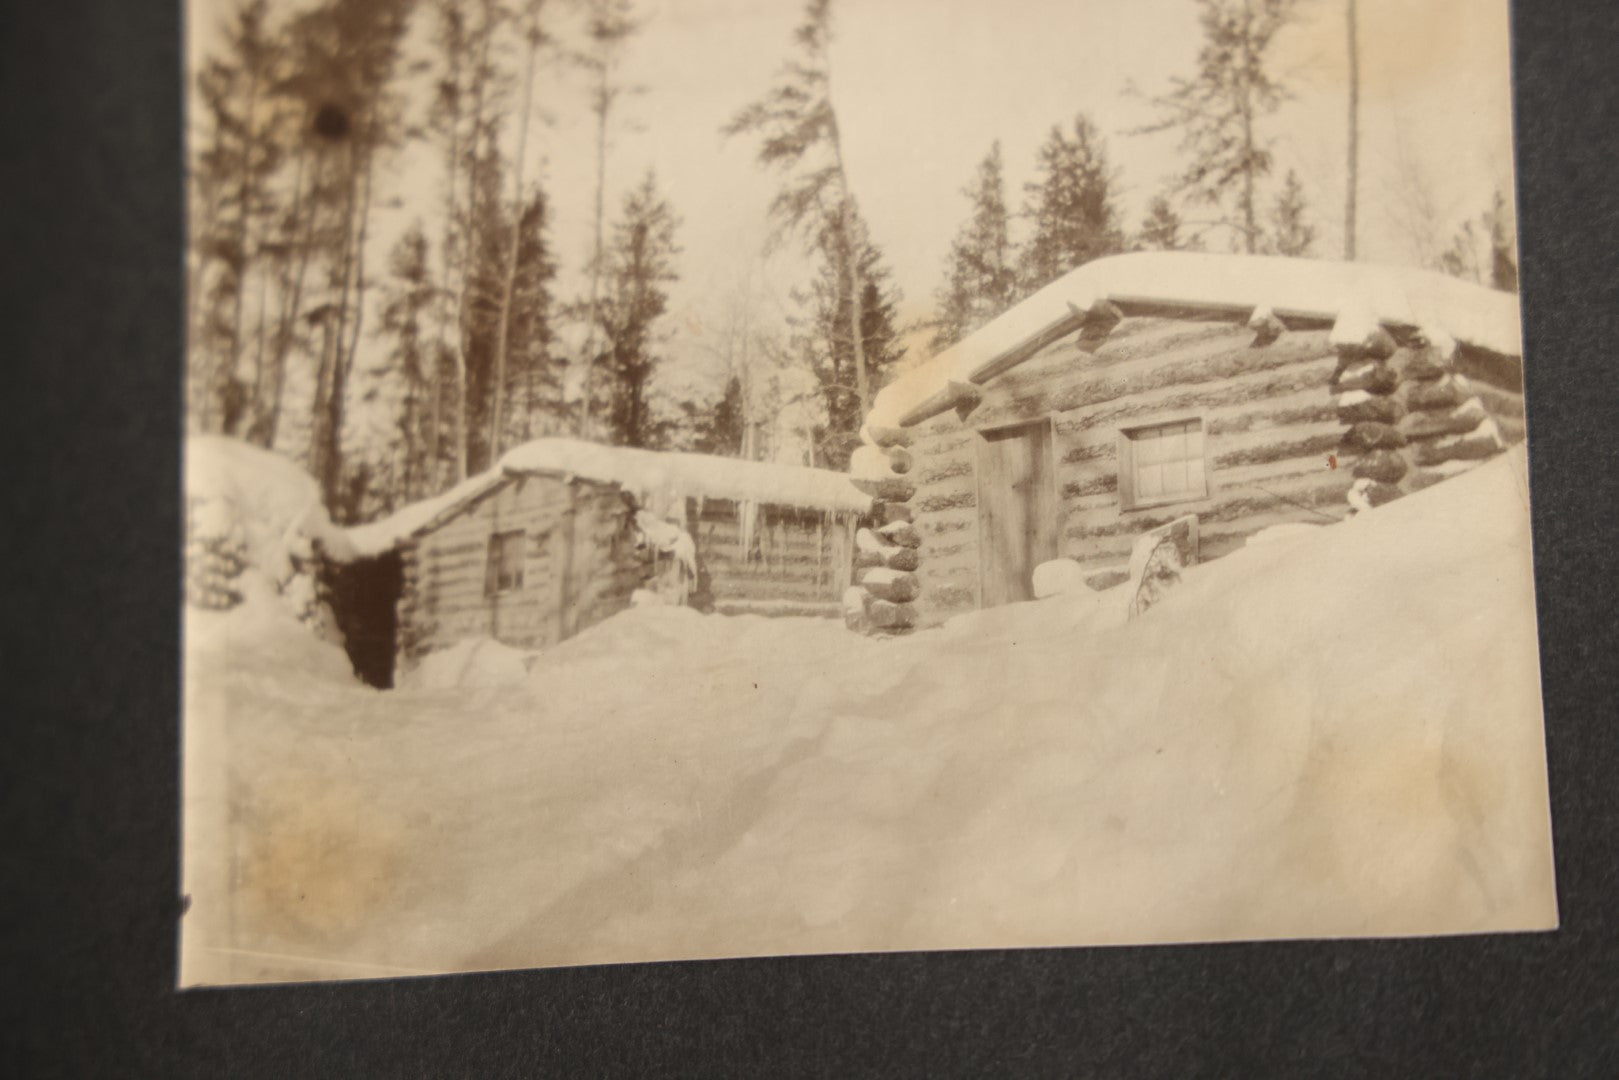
90,343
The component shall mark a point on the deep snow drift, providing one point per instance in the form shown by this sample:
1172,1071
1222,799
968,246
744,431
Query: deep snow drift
1336,733
254,521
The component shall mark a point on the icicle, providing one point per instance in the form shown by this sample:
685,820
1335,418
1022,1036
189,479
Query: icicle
822,570
747,513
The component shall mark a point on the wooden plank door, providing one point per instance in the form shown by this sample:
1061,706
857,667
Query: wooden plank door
1017,510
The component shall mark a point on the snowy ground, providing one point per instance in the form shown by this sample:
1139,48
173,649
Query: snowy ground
1337,733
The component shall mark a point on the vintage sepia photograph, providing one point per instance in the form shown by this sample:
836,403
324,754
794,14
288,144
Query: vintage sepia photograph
684,479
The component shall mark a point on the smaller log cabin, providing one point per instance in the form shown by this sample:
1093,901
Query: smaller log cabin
1139,389
562,533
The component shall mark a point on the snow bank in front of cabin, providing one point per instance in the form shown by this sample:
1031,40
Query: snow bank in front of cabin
1338,735
474,662
1443,306
268,640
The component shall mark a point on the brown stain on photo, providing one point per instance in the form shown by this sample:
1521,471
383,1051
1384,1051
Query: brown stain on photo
320,866
1403,46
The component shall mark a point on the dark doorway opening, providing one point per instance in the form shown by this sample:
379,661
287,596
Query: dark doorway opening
365,596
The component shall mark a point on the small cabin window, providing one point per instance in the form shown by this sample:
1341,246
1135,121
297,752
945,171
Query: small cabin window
505,567
1161,464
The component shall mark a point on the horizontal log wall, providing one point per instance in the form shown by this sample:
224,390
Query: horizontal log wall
797,557
1498,384
580,565
1268,420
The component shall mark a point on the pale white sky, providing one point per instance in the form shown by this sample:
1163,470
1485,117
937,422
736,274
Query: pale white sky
924,86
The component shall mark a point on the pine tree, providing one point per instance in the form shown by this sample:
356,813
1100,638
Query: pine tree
1219,110
719,429
799,136
1070,206
639,268
1461,259
980,280
533,395
1161,229
1484,250
413,365
744,342
1503,230
1290,233
825,344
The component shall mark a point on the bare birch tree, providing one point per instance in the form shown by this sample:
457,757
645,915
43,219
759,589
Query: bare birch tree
1352,169
466,115
533,37
233,206
347,53
1410,200
609,24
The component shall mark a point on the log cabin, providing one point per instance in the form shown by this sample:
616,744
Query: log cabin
1144,389
562,534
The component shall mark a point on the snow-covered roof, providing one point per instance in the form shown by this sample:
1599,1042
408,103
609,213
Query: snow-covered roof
1298,288
373,538
644,473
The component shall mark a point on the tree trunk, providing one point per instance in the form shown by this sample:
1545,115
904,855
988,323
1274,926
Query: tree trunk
199,369
245,199
856,324
323,449
1353,178
460,355
446,311
509,285
1250,227
292,288
602,104
463,411
259,336
345,357
851,255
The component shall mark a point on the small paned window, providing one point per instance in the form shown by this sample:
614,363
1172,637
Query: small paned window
505,567
1163,463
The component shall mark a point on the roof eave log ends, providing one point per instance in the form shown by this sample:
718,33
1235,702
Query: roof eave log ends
1095,322
1298,294
955,394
